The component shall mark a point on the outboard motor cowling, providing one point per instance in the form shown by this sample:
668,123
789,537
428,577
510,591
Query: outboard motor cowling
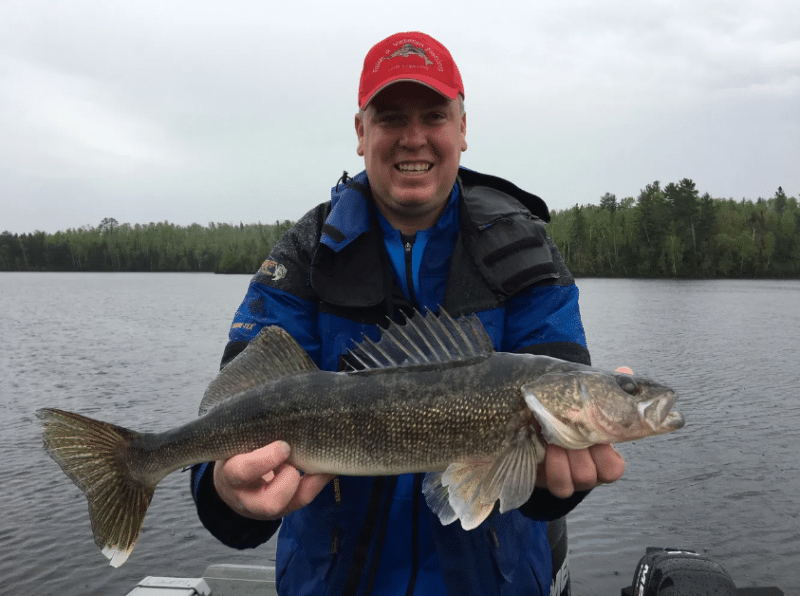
670,572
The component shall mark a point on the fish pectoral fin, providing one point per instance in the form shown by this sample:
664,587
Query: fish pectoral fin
512,476
475,485
437,497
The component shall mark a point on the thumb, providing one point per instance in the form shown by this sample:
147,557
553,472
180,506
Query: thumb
251,467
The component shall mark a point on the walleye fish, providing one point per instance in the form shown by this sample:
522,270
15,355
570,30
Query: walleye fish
430,396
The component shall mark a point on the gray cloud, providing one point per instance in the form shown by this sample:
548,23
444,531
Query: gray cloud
243,111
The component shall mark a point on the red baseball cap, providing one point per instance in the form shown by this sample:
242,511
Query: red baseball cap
411,56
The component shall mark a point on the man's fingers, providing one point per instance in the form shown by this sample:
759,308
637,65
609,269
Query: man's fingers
286,492
251,467
240,480
582,468
557,472
568,470
270,499
261,485
259,499
308,488
610,464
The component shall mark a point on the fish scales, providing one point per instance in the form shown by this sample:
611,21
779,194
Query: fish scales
430,396
358,425
408,422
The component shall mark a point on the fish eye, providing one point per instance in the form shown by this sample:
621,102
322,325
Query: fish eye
628,385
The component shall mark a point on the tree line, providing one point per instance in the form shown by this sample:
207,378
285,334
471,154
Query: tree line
218,247
664,232
674,232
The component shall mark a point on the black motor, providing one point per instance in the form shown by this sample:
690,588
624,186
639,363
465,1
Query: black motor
672,572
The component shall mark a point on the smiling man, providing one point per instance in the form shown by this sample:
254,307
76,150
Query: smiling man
414,231
411,138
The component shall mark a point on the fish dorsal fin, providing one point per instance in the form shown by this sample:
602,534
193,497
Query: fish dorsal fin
271,355
423,342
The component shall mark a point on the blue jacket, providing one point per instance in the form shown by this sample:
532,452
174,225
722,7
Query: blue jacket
337,274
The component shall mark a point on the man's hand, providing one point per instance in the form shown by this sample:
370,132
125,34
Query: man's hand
261,485
565,471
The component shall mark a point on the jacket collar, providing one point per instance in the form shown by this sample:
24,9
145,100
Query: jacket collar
471,180
348,271
351,205
350,213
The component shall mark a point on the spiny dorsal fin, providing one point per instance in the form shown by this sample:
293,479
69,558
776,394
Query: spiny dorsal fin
424,342
271,355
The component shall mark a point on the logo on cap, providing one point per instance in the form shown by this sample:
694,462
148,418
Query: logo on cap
409,49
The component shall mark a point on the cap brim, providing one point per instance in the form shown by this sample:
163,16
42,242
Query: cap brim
430,82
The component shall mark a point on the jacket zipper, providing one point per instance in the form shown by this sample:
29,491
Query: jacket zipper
337,497
408,242
412,582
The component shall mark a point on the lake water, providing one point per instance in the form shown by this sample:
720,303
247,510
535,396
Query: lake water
139,350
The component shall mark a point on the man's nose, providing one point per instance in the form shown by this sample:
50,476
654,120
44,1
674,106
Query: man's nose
414,135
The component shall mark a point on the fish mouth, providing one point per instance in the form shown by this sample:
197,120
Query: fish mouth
673,421
657,413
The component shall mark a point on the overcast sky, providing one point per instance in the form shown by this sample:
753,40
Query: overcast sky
198,111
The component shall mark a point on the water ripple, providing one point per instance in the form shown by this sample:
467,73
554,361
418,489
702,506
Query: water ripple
141,348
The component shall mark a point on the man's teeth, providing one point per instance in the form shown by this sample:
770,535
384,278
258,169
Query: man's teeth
413,167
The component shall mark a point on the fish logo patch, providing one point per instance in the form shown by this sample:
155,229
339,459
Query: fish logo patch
408,49
273,269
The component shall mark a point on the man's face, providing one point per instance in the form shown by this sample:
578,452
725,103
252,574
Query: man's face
411,139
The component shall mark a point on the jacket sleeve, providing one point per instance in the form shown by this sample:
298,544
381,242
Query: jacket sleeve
544,506
278,294
545,318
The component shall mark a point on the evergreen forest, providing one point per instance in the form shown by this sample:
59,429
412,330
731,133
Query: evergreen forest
674,232
665,232
218,248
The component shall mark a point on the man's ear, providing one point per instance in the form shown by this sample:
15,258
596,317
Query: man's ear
360,134
463,132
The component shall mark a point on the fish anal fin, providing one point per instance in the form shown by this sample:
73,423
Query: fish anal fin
271,355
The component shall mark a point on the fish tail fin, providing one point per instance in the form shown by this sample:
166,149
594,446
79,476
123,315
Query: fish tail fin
98,458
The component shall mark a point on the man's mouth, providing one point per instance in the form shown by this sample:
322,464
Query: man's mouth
413,168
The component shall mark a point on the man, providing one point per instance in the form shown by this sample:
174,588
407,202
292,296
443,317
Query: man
414,231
